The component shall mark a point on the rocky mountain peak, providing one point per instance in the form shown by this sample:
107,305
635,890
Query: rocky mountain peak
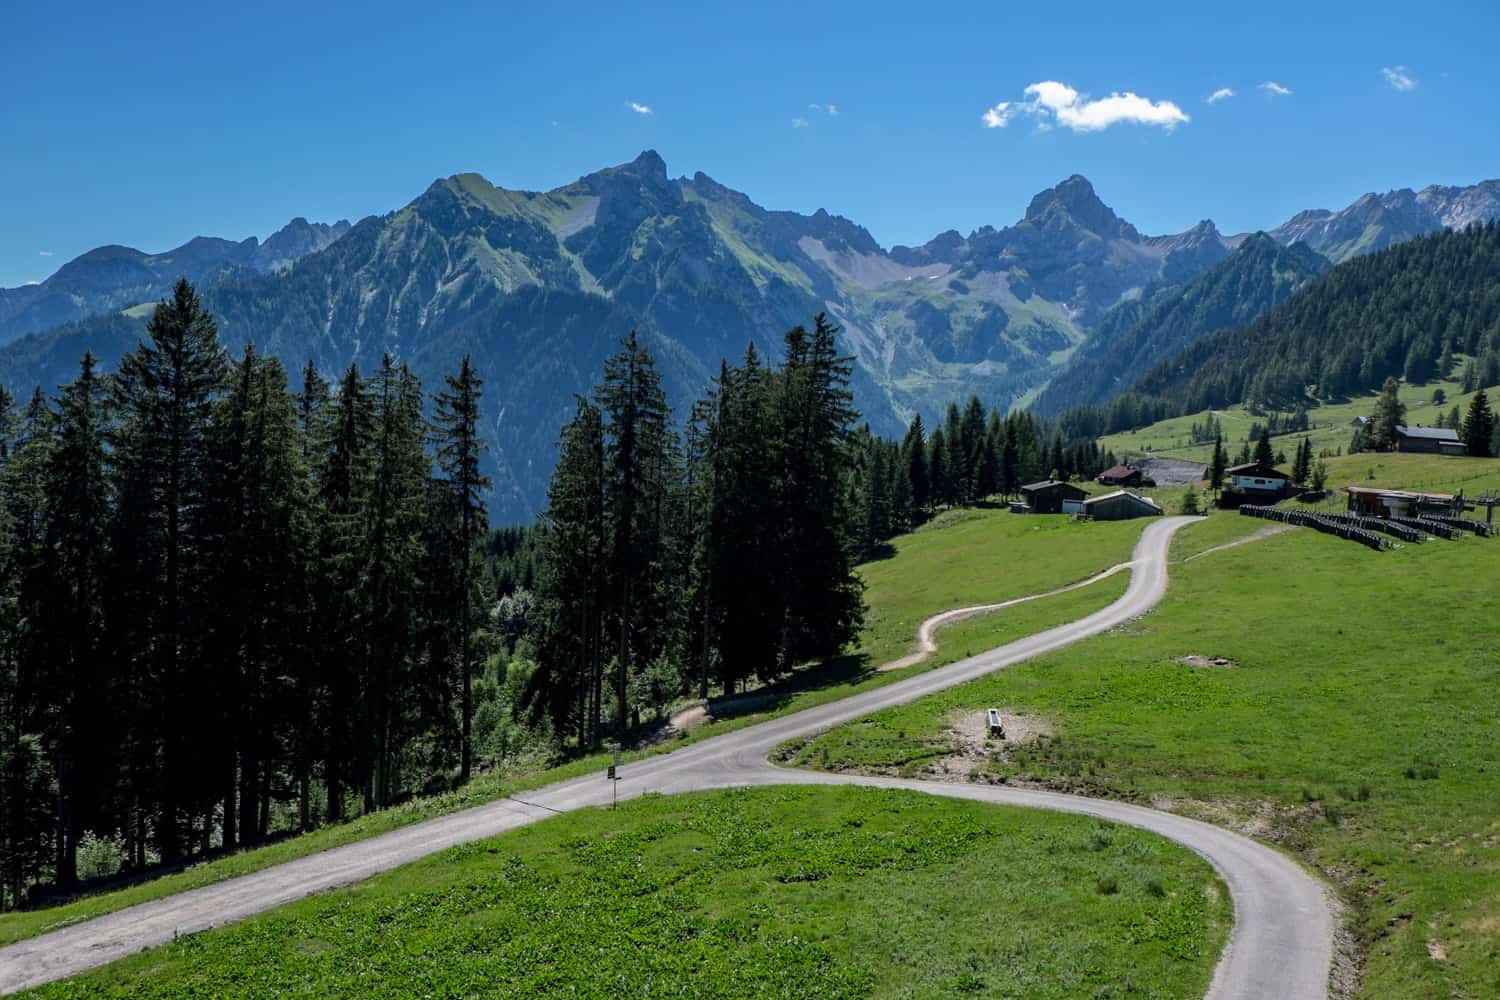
1073,204
649,167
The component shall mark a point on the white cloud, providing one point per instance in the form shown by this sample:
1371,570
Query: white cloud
831,110
1399,77
24,283
1058,103
1275,89
999,116
799,123
639,108
1223,93
44,253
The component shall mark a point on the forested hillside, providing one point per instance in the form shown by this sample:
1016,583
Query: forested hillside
1405,312
221,598
230,608
1135,336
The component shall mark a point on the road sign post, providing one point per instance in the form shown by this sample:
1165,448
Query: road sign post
614,779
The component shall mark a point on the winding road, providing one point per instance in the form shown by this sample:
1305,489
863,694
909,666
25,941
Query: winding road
1281,945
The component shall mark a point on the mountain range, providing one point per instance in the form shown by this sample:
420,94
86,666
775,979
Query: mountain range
117,277
540,286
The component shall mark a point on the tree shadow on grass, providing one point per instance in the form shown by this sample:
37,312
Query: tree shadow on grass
838,672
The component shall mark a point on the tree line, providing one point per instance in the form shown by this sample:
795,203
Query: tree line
228,606
972,456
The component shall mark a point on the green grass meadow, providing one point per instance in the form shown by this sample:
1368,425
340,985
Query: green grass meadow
1358,725
982,556
1330,425
778,892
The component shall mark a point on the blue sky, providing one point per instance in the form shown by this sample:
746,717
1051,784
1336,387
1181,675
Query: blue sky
146,123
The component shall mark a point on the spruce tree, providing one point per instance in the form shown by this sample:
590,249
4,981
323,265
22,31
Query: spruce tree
165,393
1390,413
565,689
937,468
902,512
744,541
1479,426
1010,460
76,681
1302,465
824,598
458,449
257,619
1263,453
972,447
987,471
28,794
639,445
914,457
1217,465
343,480
390,599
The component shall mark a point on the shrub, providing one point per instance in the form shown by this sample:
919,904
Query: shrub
100,857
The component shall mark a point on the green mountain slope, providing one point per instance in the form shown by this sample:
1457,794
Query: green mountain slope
1394,313
1135,336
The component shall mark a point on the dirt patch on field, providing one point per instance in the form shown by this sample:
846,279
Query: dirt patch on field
1171,471
969,734
1483,925
1264,820
1206,662
690,718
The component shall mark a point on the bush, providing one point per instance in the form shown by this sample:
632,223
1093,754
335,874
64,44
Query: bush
1190,503
100,857
657,685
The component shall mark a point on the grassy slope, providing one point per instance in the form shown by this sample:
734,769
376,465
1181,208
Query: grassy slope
963,557
980,556
768,892
1331,426
1357,728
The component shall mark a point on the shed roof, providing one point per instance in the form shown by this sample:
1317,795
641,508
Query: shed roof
1397,494
1122,493
1047,484
1119,471
1428,433
1256,469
